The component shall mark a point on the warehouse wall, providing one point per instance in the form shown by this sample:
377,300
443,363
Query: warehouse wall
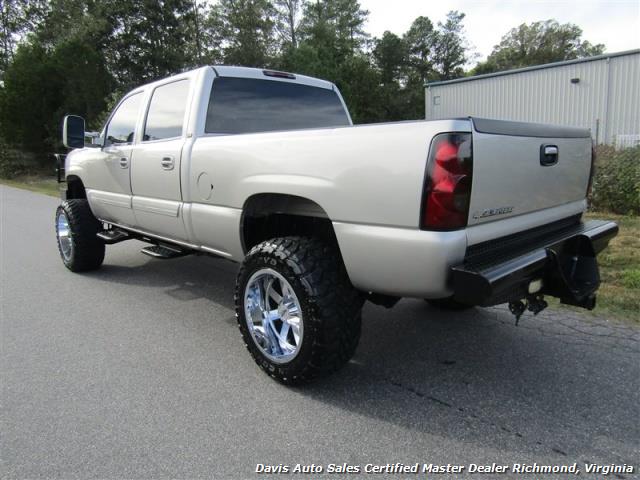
606,98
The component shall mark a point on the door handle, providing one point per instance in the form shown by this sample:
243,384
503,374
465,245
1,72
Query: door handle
124,162
167,162
548,155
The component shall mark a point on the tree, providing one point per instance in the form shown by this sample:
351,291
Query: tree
391,55
46,85
421,39
450,52
17,18
288,16
330,35
85,82
349,20
151,39
359,84
197,30
423,53
65,19
92,51
58,69
538,43
336,25
10,16
209,27
331,41
318,53
25,97
134,47
248,30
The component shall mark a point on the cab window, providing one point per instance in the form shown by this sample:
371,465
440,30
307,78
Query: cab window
122,125
166,111
248,105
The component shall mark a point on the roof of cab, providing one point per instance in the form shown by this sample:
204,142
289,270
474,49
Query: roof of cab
244,72
259,73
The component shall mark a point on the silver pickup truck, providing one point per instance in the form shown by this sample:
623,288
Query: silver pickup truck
265,168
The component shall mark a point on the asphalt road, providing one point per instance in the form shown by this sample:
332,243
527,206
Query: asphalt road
138,371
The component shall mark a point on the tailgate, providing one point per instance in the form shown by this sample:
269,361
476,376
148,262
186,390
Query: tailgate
524,167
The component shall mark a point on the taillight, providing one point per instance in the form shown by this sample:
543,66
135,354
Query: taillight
447,189
592,170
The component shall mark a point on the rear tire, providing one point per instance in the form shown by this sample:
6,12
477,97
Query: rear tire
448,304
297,311
76,228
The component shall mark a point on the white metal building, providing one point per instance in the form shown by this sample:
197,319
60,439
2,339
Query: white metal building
601,93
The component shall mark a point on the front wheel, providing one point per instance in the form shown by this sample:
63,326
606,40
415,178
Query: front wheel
297,311
76,228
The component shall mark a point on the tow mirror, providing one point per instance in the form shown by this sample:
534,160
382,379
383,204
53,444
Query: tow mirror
73,131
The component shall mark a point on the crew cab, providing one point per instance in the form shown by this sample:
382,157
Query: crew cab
266,169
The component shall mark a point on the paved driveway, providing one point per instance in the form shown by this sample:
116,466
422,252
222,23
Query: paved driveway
138,371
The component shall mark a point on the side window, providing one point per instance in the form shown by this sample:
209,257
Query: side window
166,111
123,122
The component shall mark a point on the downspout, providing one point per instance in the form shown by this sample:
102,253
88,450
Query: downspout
607,99
427,97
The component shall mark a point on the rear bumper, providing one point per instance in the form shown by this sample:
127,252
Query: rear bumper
565,262
399,262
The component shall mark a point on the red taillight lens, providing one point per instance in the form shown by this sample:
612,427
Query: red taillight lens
447,188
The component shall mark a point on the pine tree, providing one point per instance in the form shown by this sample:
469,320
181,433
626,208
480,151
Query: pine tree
248,28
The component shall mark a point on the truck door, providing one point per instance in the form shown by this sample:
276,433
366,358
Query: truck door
108,182
155,166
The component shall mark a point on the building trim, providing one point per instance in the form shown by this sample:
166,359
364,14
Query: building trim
605,56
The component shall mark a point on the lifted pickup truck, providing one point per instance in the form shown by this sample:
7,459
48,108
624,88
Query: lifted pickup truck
265,168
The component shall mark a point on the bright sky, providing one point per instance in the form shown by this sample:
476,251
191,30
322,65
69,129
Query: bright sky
616,23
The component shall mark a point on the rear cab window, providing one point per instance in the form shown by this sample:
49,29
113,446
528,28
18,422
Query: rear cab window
247,105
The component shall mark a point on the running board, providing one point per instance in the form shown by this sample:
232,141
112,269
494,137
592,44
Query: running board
113,236
164,252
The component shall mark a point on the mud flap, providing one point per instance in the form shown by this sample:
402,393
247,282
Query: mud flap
573,275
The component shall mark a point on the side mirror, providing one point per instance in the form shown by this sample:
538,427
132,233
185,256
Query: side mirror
96,140
73,131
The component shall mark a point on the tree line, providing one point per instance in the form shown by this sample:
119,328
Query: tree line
80,56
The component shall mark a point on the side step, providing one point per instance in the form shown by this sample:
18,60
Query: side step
164,252
113,236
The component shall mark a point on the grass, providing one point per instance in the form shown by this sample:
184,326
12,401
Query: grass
619,294
35,183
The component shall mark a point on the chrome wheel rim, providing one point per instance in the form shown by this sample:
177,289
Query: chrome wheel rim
64,235
273,315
